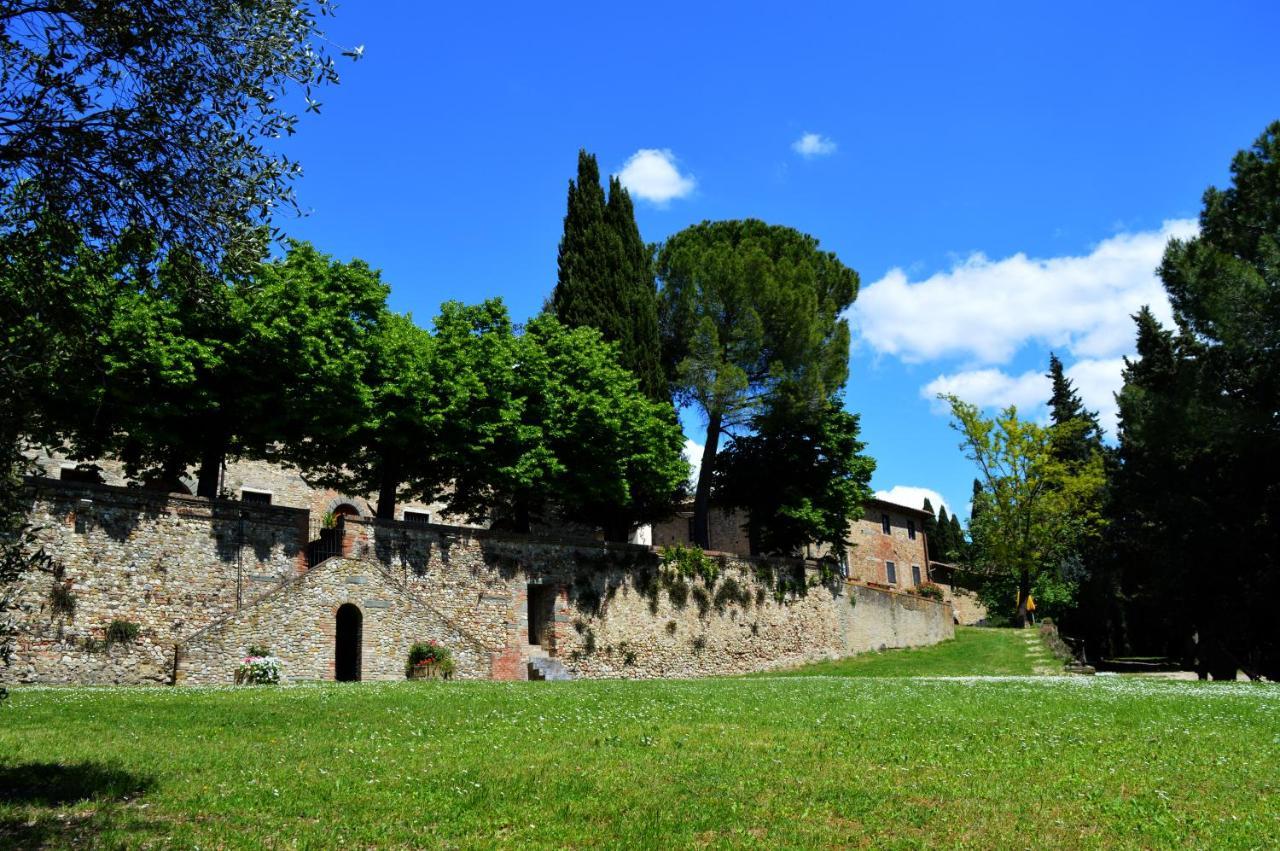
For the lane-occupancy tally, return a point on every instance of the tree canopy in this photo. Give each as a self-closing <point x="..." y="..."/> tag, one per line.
<point x="1196" y="497"/>
<point x="155" y="114"/>
<point x="605" y="275"/>
<point x="748" y="312"/>
<point x="802" y="480"/>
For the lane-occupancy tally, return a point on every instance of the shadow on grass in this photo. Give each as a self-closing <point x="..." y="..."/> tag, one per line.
<point x="33" y="796"/>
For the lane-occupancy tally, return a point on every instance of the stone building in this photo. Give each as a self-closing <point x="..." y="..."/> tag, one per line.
<point x="887" y="544"/>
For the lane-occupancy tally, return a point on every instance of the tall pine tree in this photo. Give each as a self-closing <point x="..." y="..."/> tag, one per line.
<point x="1065" y="407"/>
<point x="605" y="279"/>
<point x="930" y="527"/>
<point x="942" y="550"/>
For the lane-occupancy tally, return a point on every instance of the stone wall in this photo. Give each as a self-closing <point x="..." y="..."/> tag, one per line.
<point x="171" y="565"/>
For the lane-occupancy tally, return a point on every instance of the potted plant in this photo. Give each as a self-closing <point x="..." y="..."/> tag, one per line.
<point x="429" y="660"/>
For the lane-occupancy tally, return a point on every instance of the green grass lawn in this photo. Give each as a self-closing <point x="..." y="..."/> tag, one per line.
<point x="974" y="652"/>
<point x="763" y="762"/>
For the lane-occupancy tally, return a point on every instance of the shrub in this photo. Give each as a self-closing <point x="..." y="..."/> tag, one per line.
<point x="258" y="670"/>
<point x="121" y="632"/>
<point x="690" y="562"/>
<point x="429" y="661"/>
<point x="929" y="590"/>
<point x="61" y="600"/>
<point x="258" y="650"/>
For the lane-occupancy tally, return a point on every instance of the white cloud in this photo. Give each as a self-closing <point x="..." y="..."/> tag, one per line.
<point x="913" y="497"/>
<point x="813" y="145"/>
<point x="693" y="454"/>
<point x="990" y="388"/>
<point x="652" y="174"/>
<point x="985" y="310"/>
<point x="1096" y="380"/>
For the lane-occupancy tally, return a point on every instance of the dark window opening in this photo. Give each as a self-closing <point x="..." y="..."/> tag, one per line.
<point x="884" y="523"/>
<point x="915" y="574"/>
<point x="690" y="529"/>
<point x="81" y="475"/>
<point x="256" y="497"/>
<point x="349" y="627"/>
<point x="417" y="518"/>
<point x="891" y="573"/>
<point x="911" y="529"/>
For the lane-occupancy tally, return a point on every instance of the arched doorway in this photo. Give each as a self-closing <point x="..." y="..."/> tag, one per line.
<point x="346" y="645"/>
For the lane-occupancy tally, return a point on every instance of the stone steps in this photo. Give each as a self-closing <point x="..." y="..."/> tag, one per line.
<point x="548" y="668"/>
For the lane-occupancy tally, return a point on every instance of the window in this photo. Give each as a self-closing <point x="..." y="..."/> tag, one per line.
<point x="891" y="573"/>
<point x="911" y="529"/>
<point x="417" y="518"/>
<point x="915" y="574"/>
<point x="256" y="497"/>
<point x="884" y="523"/>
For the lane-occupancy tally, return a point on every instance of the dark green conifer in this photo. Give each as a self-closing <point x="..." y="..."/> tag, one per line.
<point x="930" y="527"/>
<point x="605" y="275"/>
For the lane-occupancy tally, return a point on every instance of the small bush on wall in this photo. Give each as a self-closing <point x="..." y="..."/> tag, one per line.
<point x="61" y="600"/>
<point x="121" y="632"/>
<point x="929" y="590"/>
<point x="429" y="661"/>
<point x="258" y="670"/>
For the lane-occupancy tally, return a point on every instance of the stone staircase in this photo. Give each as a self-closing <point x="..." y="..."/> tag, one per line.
<point x="547" y="668"/>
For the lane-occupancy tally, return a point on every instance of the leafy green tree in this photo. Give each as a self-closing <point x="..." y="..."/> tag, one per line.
<point x="552" y="425"/>
<point x="393" y="436"/>
<point x="802" y="476"/>
<point x="606" y="275"/>
<point x="1199" y="436"/>
<point x="153" y="114"/>
<point x="748" y="311"/>
<point x="1032" y="504"/>
<point x="191" y="371"/>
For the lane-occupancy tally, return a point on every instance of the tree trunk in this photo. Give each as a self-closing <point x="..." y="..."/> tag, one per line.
<point x="702" y="497"/>
<point x="1024" y="591"/>
<point x="211" y="461"/>
<point x="390" y="483"/>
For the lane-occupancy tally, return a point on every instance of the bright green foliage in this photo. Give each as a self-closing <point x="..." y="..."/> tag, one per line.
<point x="192" y="371"/>
<point x="606" y="275"/>
<point x="801" y="475"/>
<point x="391" y="437"/>
<point x="748" y="312"/>
<point x="1196" y="505"/>
<point x="1034" y="505"/>
<point x="558" y="425"/>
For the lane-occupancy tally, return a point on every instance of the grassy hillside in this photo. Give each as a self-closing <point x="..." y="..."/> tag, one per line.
<point x="774" y="762"/>
<point x="974" y="652"/>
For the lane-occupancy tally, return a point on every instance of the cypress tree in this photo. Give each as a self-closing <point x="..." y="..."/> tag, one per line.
<point x="930" y="527"/>
<point x="1066" y="406"/>
<point x="956" y="539"/>
<point x="605" y="275"/>
<point x="944" y="546"/>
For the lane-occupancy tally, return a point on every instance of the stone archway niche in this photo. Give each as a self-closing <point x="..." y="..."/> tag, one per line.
<point x="347" y="634"/>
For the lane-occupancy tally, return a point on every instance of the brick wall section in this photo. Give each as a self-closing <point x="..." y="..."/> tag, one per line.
<point x="166" y="563"/>
<point x="871" y="547"/>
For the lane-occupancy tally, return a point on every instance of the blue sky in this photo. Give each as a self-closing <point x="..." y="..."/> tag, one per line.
<point x="1002" y="176"/>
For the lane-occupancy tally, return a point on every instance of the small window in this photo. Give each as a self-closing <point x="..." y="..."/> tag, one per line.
<point x="80" y="475"/>
<point x="915" y="574"/>
<point x="891" y="573"/>
<point x="256" y="497"/>
<point x="884" y="523"/>
<point x="911" y="529"/>
<point x="417" y="518"/>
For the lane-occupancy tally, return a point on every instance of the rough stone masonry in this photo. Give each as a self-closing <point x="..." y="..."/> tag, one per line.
<point x="204" y="581"/>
